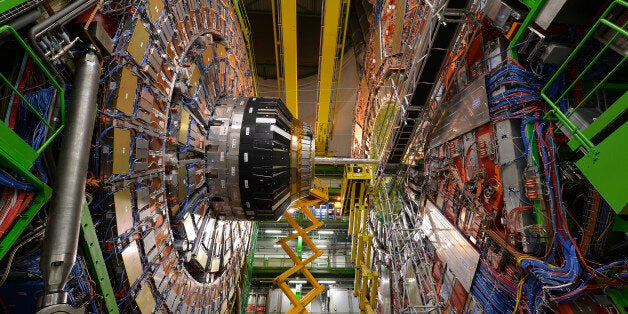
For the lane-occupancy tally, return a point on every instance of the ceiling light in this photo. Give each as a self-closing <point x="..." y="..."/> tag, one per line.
<point x="297" y="281"/>
<point x="272" y="231"/>
<point x="277" y="245"/>
<point x="322" y="246"/>
<point x="325" y="232"/>
<point x="327" y="281"/>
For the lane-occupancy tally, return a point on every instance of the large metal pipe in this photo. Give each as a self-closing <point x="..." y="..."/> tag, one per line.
<point x="59" y="19"/>
<point x="343" y="161"/>
<point x="22" y="21"/>
<point x="62" y="231"/>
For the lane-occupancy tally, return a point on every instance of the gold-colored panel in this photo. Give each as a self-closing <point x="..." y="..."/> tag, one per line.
<point x="208" y="55"/>
<point x="221" y="51"/>
<point x="232" y="61"/>
<point x="145" y="300"/>
<point x="126" y="91"/>
<point x="124" y="210"/>
<point x="184" y="125"/>
<point x="121" y="150"/>
<point x="155" y="7"/>
<point x="182" y="176"/>
<point x="195" y="77"/>
<point x="132" y="262"/>
<point x="138" y="43"/>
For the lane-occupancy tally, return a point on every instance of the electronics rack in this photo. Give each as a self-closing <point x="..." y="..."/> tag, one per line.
<point x="485" y="161"/>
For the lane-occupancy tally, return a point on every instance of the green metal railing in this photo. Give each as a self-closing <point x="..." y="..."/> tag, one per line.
<point x="555" y="111"/>
<point x="17" y="155"/>
<point x="53" y="81"/>
<point x="93" y="253"/>
<point x="603" y="163"/>
<point x="535" y="8"/>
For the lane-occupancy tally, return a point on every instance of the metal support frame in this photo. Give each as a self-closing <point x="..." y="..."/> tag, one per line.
<point x="602" y="164"/>
<point x="288" y="41"/>
<point x="535" y="8"/>
<point x="299" y="303"/>
<point x="343" y="42"/>
<point x="329" y="45"/>
<point x="364" y="275"/>
<point x="63" y="227"/>
<point x="18" y="156"/>
<point x="276" y="45"/>
<point x="404" y="241"/>
<point x="343" y="161"/>
<point x="95" y="260"/>
<point x="355" y="188"/>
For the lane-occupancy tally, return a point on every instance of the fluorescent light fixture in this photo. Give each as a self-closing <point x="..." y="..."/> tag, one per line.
<point x="327" y="281"/>
<point x="277" y="245"/>
<point x="322" y="246"/>
<point x="325" y="232"/>
<point x="272" y="231"/>
<point x="297" y="281"/>
<point x="294" y="231"/>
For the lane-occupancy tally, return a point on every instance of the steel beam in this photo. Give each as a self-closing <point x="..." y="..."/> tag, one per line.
<point x="331" y="21"/>
<point x="343" y="161"/>
<point x="289" y="52"/>
<point x="96" y="262"/>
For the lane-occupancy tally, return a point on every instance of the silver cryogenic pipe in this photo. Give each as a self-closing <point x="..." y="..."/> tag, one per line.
<point x="343" y="161"/>
<point x="62" y="231"/>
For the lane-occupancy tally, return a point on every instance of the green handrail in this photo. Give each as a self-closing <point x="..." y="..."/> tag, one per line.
<point x="50" y="77"/>
<point x="577" y="133"/>
<point x="535" y="9"/>
<point x="17" y="155"/>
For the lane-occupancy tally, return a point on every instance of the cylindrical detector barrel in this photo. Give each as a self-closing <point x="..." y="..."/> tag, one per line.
<point x="259" y="159"/>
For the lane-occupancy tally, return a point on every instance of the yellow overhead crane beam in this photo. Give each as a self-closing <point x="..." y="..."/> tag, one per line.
<point x="289" y="44"/>
<point x="276" y="45"/>
<point x="340" y="63"/>
<point x="329" y="46"/>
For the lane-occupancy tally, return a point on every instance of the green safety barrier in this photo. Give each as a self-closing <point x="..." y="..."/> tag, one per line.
<point x="17" y="155"/>
<point x="603" y="164"/>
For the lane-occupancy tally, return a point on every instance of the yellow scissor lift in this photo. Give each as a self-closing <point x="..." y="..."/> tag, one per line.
<point x="318" y="194"/>
<point x="355" y="188"/>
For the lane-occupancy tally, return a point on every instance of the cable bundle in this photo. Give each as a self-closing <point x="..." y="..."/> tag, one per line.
<point x="513" y="91"/>
<point x="564" y="274"/>
<point x="493" y="290"/>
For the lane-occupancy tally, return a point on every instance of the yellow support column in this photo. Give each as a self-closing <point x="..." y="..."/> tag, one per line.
<point x="289" y="44"/>
<point x="277" y="45"/>
<point x="331" y="21"/>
